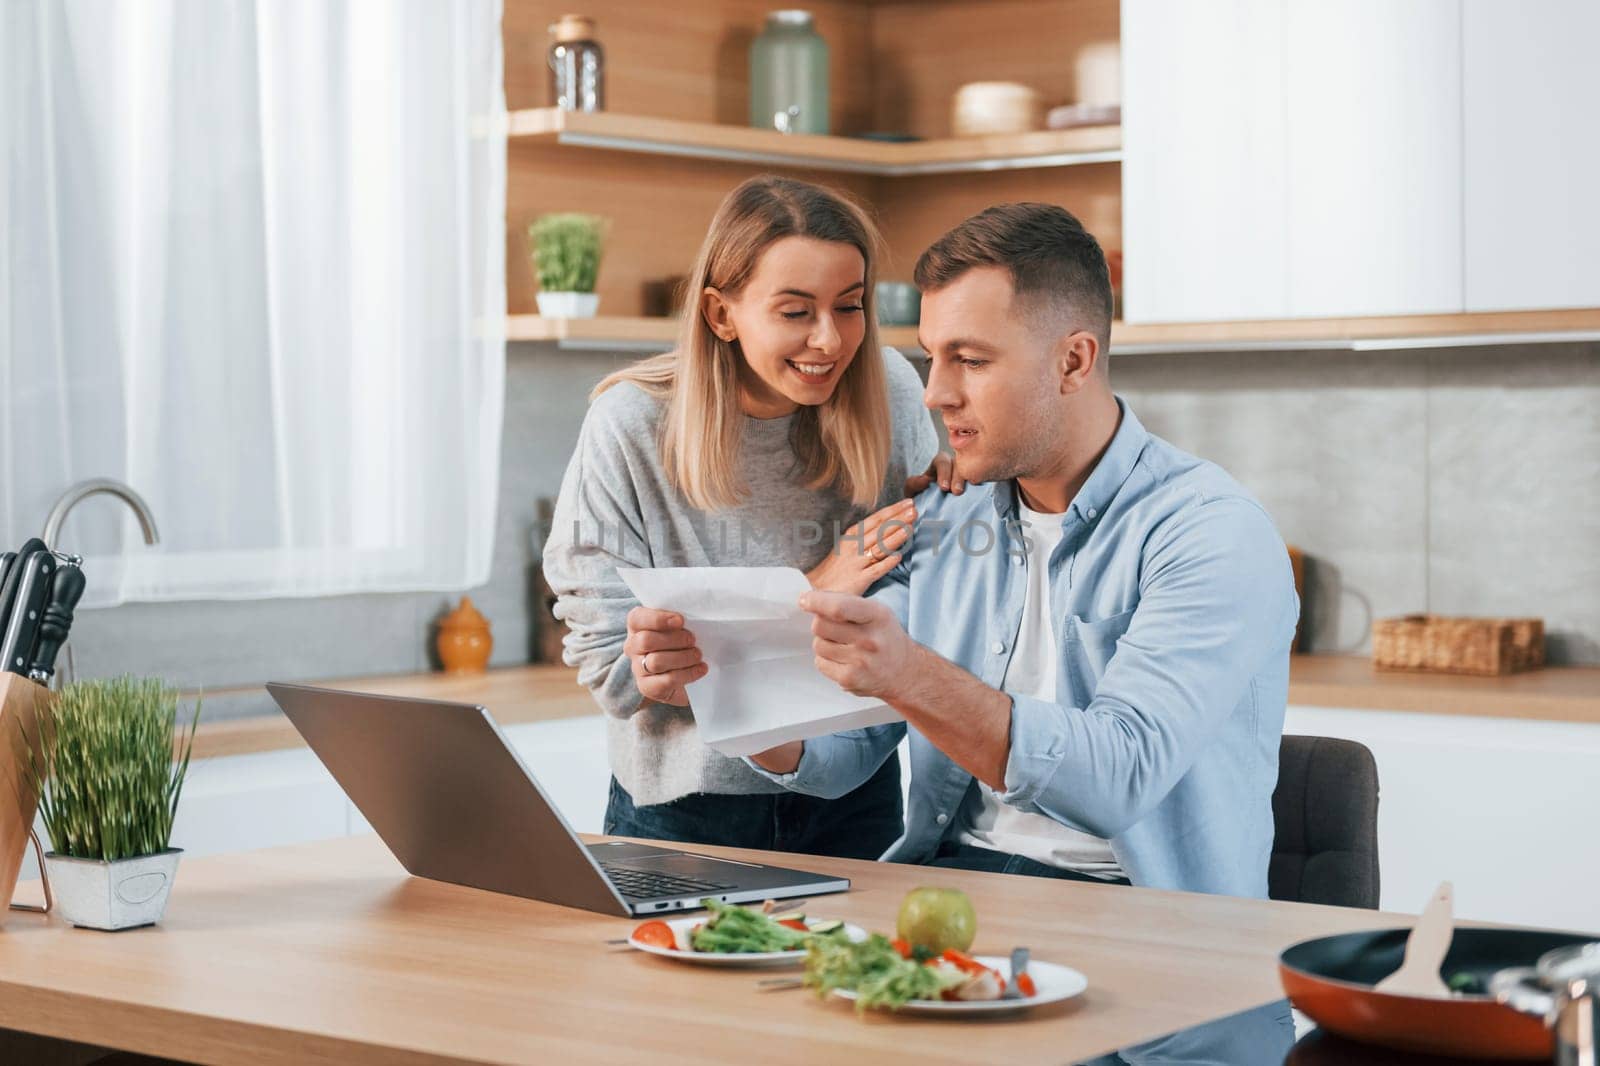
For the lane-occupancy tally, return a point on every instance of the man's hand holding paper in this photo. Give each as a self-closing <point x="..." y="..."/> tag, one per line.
<point x="760" y="686"/>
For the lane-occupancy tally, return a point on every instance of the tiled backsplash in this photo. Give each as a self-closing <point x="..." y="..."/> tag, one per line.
<point x="1450" y="480"/>
<point x="1461" y="481"/>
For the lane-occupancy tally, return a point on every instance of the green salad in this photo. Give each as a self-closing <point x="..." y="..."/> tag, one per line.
<point x="876" y="971"/>
<point x="738" y="930"/>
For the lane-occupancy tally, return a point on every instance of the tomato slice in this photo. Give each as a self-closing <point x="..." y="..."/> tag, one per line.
<point x="972" y="967"/>
<point x="794" y="923"/>
<point x="963" y="962"/>
<point x="1026" y="986"/>
<point x="656" y="935"/>
<point x="902" y="946"/>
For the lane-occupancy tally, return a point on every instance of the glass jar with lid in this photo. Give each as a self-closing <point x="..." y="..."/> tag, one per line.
<point x="577" y="65"/>
<point x="789" y="75"/>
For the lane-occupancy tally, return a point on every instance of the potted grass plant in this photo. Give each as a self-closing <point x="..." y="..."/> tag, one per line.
<point x="109" y="774"/>
<point x="566" y="255"/>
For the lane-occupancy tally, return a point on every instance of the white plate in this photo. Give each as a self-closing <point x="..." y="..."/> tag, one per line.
<point x="736" y="958"/>
<point x="1051" y="982"/>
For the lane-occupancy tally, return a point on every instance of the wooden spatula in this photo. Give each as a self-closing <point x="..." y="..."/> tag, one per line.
<point x="1430" y="938"/>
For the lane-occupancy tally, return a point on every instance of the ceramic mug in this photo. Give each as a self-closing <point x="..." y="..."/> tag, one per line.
<point x="899" y="303"/>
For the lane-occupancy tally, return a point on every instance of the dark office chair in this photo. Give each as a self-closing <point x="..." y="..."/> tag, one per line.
<point x="1325" y="809"/>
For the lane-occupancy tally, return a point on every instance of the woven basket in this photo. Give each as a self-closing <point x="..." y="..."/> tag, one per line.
<point x="1485" y="646"/>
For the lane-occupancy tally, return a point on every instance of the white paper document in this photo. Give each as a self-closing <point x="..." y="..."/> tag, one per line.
<point x="763" y="687"/>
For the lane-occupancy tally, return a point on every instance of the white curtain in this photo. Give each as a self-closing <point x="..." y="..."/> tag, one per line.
<point x="254" y="266"/>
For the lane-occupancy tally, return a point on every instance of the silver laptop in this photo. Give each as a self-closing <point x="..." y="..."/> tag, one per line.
<point x="452" y="800"/>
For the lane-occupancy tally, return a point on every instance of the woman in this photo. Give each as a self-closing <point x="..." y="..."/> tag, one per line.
<point x="777" y="422"/>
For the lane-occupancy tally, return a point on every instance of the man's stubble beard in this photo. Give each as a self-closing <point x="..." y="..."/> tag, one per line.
<point x="1025" y="455"/>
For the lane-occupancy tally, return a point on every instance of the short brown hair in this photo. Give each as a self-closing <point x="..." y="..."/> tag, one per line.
<point x="1051" y="258"/>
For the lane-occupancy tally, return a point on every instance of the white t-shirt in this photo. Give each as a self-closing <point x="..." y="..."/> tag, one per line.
<point x="984" y="821"/>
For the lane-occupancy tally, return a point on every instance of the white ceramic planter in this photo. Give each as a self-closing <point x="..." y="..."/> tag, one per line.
<point x="124" y="894"/>
<point x="568" y="304"/>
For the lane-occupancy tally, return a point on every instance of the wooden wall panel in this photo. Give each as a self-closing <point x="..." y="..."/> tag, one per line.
<point x="895" y="65"/>
<point x="659" y="207"/>
<point x="687" y="60"/>
<point x="924" y="51"/>
<point x="916" y="211"/>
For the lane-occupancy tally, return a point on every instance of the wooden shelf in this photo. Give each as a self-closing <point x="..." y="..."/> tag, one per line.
<point x="738" y="144"/>
<point x="1339" y="334"/>
<point x="636" y="334"/>
<point x="621" y="332"/>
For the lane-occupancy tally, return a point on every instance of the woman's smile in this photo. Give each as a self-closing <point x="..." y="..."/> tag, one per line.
<point x="812" y="372"/>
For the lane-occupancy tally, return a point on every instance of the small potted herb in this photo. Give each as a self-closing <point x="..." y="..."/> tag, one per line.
<point x="108" y="786"/>
<point x="566" y="255"/>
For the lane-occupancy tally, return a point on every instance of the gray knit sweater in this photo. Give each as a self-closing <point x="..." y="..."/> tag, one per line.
<point x="617" y="507"/>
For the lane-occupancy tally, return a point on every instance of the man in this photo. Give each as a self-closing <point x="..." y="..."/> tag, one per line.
<point x="1091" y="648"/>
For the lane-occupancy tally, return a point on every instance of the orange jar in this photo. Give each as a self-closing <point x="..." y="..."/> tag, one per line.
<point x="464" y="640"/>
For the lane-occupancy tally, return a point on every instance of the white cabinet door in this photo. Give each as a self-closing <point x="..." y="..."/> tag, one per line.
<point x="1291" y="158"/>
<point x="1372" y="91"/>
<point x="1486" y="803"/>
<point x="1203" y="189"/>
<point x="568" y="759"/>
<point x="244" y="802"/>
<point x="1532" y="147"/>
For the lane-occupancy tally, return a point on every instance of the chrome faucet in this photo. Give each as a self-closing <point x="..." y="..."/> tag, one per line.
<point x="93" y="487"/>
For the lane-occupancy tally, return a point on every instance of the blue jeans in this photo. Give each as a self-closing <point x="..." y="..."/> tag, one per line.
<point x="968" y="857"/>
<point x="859" y="825"/>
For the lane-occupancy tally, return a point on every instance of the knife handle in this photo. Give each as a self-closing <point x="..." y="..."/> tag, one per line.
<point x="13" y="578"/>
<point x="16" y="650"/>
<point x="56" y="621"/>
<point x="29" y="546"/>
<point x="12" y="582"/>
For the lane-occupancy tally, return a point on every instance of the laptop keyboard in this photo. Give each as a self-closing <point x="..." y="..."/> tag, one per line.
<point x="648" y="884"/>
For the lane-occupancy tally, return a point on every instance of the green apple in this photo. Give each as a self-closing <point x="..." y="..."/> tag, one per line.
<point x="937" y="919"/>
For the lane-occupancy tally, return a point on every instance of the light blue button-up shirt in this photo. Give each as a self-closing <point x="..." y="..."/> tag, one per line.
<point x="1174" y="610"/>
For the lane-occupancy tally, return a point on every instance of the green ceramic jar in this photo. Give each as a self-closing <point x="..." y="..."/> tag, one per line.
<point x="789" y="75"/>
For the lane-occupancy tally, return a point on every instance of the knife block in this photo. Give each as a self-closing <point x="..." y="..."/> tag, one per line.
<point x="20" y="700"/>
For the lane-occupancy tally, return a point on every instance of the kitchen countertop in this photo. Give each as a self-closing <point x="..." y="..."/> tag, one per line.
<point x="535" y="693"/>
<point x="328" y="952"/>
<point x="1553" y="694"/>
<point x="513" y="694"/>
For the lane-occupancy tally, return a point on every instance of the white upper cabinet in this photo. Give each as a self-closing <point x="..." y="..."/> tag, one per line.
<point x="1372" y="90"/>
<point x="1203" y="191"/>
<point x="1532" y="149"/>
<point x="1291" y="158"/>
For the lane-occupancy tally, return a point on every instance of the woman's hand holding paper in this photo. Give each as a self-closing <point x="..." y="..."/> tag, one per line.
<point x="664" y="656"/>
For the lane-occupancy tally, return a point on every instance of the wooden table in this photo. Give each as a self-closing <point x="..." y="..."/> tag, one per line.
<point x="329" y="953"/>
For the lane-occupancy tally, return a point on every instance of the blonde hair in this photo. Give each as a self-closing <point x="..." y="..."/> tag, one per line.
<point x="842" y="443"/>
